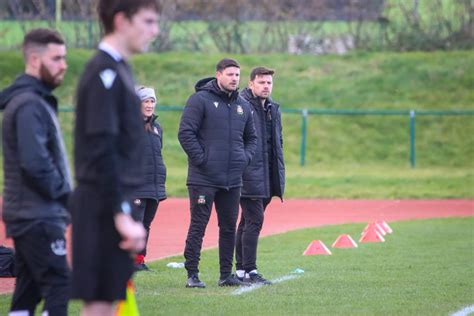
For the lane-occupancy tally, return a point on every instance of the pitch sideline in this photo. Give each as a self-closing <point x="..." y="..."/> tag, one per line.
<point x="254" y="287"/>
<point x="468" y="310"/>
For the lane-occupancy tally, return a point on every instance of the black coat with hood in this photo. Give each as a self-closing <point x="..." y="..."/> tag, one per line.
<point x="218" y="135"/>
<point x="253" y="186"/>
<point x="155" y="169"/>
<point x="37" y="179"/>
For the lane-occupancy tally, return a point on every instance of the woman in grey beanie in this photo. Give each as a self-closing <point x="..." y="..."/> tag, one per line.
<point x="148" y="196"/>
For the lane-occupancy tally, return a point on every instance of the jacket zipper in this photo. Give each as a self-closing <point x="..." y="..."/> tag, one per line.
<point x="230" y="142"/>
<point x="263" y="126"/>
<point x="150" y="139"/>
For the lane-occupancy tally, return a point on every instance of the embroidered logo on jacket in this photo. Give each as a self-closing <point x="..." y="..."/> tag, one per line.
<point x="240" y="110"/>
<point x="108" y="77"/>
<point x="155" y="130"/>
<point x="137" y="202"/>
<point x="216" y="104"/>
<point x="201" y="199"/>
<point x="59" y="247"/>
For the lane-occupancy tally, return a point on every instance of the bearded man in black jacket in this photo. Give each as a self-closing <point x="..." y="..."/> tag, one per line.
<point x="264" y="177"/>
<point x="218" y="135"/>
<point x="37" y="177"/>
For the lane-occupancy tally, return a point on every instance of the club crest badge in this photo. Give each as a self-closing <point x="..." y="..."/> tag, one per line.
<point x="216" y="104"/>
<point x="240" y="110"/>
<point x="155" y="130"/>
<point x="108" y="77"/>
<point x="201" y="199"/>
<point x="137" y="202"/>
<point x="59" y="247"/>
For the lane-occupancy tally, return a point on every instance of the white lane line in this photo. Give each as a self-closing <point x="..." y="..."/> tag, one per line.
<point x="245" y="289"/>
<point x="464" y="312"/>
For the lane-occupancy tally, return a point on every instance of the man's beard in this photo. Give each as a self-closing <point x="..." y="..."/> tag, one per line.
<point x="229" y="89"/>
<point x="48" y="78"/>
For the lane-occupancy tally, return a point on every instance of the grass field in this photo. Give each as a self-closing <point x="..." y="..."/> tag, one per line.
<point x="423" y="268"/>
<point x="346" y="156"/>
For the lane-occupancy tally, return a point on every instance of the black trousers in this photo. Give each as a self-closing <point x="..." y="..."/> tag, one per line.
<point x="248" y="232"/>
<point x="145" y="212"/>
<point x="42" y="270"/>
<point x="227" y="207"/>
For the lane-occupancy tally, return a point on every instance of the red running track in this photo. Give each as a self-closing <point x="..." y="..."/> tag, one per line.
<point x="168" y="232"/>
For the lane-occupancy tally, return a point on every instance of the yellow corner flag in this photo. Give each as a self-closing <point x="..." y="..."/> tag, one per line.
<point x="128" y="307"/>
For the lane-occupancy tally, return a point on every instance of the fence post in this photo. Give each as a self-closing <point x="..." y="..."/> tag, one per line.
<point x="89" y="30"/>
<point x="58" y="14"/>
<point x="412" y="139"/>
<point x="304" y="122"/>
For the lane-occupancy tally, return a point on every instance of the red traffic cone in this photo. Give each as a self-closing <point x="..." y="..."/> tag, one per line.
<point x="371" y="235"/>
<point x="375" y="226"/>
<point x="344" y="241"/>
<point x="317" y="247"/>
<point x="385" y="226"/>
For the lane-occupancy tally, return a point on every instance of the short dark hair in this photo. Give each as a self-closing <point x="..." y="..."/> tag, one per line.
<point x="261" y="71"/>
<point x="226" y="63"/>
<point x="40" y="38"/>
<point x="107" y="9"/>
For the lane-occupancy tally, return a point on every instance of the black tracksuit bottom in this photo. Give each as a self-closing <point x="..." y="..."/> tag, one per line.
<point x="227" y="207"/>
<point x="248" y="232"/>
<point x="42" y="270"/>
<point x="145" y="213"/>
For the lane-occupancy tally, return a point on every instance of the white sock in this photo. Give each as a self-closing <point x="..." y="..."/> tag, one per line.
<point x="240" y="273"/>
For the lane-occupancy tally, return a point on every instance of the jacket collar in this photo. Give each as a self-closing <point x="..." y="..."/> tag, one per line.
<point x="255" y="101"/>
<point x="27" y="83"/>
<point x="210" y="85"/>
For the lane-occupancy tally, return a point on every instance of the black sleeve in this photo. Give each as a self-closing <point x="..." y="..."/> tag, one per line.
<point x="280" y="127"/>
<point x="105" y="150"/>
<point x="188" y="130"/>
<point x="35" y="158"/>
<point x="102" y="97"/>
<point x="101" y="116"/>
<point x="250" y="137"/>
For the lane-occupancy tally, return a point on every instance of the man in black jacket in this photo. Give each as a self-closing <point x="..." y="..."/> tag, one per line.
<point x="109" y="139"/>
<point x="218" y="135"/>
<point x="37" y="177"/>
<point x="264" y="177"/>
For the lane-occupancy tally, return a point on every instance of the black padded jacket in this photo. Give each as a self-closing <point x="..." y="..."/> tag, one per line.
<point x="218" y="135"/>
<point x="256" y="178"/>
<point x="37" y="179"/>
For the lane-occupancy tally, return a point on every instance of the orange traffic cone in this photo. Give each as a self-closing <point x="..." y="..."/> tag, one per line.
<point x="385" y="226"/>
<point x="375" y="226"/>
<point x="317" y="247"/>
<point x="344" y="241"/>
<point x="372" y="235"/>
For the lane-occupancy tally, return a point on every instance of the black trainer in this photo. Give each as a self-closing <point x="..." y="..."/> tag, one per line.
<point x="255" y="278"/>
<point x="193" y="281"/>
<point x="142" y="267"/>
<point x="232" y="280"/>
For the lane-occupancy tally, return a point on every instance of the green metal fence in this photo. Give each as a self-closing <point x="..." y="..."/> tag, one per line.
<point x="411" y="114"/>
<point x="305" y="113"/>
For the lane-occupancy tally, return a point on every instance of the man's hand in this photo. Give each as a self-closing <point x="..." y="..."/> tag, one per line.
<point x="132" y="232"/>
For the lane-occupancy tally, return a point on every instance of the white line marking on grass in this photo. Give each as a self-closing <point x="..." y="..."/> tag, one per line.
<point x="245" y="289"/>
<point x="465" y="311"/>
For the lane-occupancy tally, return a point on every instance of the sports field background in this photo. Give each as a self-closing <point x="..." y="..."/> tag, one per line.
<point x="347" y="156"/>
<point x="424" y="268"/>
